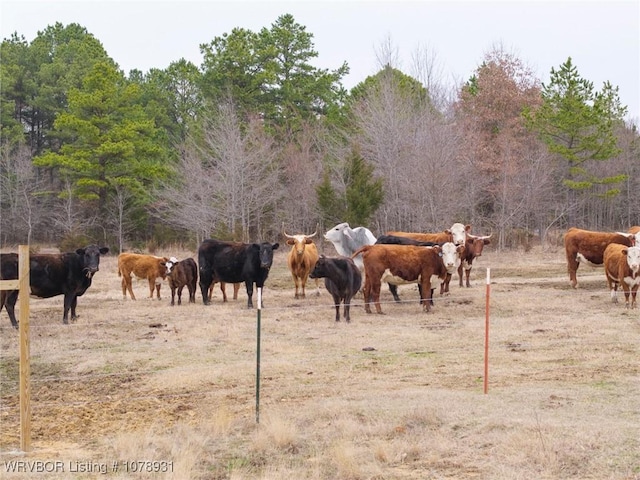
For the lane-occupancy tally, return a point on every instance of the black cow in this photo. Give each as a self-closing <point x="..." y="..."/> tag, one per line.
<point x="395" y="240"/>
<point x="234" y="262"/>
<point x="67" y="274"/>
<point x="341" y="278"/>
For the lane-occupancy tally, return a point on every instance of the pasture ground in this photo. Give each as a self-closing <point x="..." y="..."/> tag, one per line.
<point x="394" y="396"/>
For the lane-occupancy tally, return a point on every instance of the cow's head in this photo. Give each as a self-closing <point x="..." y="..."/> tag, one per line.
<point x="298" y="242"/>
<point x="265" y="253"/>
<point x="91" y="258"/>
<point x="336" y="234"/>
<point x="451" y="254"/>
<point x="459" y="233"/>
<point x="169" y="264"/>
<point x="320" y="269"/>
<point x="475" y="244"/>
<point x="633" y="259"/>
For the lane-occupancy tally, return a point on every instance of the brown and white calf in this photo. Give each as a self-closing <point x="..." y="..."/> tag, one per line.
<point x="586" y="246"/>
<point x="400" y="264"/>
<point x="622" y="267"/>
<point x="472" y="249"/>
<point x="180" y="274"/>
<point x="301" y="260"/>
<point x="148" y="267"/>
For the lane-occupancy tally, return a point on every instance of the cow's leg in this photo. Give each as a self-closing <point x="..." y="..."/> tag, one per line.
<point x="426" y="290"/>
<point x="444" y="286"/>
<point x="634" y="292"/>
<point x="173" y="295"/>
<point x="236" y="289"/>
<point x="223" y="289"/>
<point x="394" y="291"/>
<point x="460" y="273"/>
<point x="74" y="303"/>
<point x="317" y="287"/>
<point x="8" y="300"/>
<point x="614" y="292"/>
<point x="347" y="307"/>
<point x="67" y="307"/>
<point x="295" y="282"/>
<point x="375" y="292"/>
<point x="572" y="268"/>
<point x="180" y="295"/>
<point x="249" y="286"/>
<point x="127" y="284"/>
<point x="158" y="285"/>
<point x="206" y="280"/>
<point x="336" y="303"/>
<point x="468" y="274"/>
<point x="366" y="292"/>
<point x="303" y="284"/>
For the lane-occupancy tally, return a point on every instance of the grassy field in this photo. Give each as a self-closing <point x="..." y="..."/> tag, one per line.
<point x="394" y="396"/>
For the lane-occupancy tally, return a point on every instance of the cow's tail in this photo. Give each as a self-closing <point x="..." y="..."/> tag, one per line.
<point x="119" y="272"/>
<point x="360" y="250"/>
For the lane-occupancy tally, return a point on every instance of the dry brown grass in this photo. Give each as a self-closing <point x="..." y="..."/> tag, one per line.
<point x="397" y="396"/>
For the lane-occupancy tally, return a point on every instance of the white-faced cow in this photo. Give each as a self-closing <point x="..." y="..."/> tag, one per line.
<point x="406" y="264"/>
<point x="347" y="240"/>
<point x="67" y="274"/>
<point x="586" y="246"/>
<point x="180" y="274"/>
<point x="472" y="249"/>
<point x="342" y="278"/>
<point x="301" y="260"/>
<point x="233" y="262"/>
<point x="622" y="267"/>
<point x="457" y="234"/>
<point x="149" y="267"/>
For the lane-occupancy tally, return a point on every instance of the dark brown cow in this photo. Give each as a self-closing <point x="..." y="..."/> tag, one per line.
<point x="406" y="264"/>
<point x="180" y="274"/>
<point x="67" y="274"/>
<point x="342" y="278"/>
<point x="586" y="246"/>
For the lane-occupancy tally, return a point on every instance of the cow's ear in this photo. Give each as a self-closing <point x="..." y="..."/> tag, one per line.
<point x="308" y="241"/>
<point x="275" y="246"/>
<point x="80" y="251"/>
<point x="625" y="251"/>
<point x="467" y="228"/>
<point x="291" y="241"/>
<point x="447" y="231"/>
<point x="104" y="250"/>
<point x="487" y="241"/>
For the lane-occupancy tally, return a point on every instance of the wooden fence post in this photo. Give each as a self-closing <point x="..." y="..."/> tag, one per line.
<point x="25" y="361"/>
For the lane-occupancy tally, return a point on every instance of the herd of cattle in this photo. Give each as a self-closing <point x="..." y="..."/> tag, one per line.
<point x="394" y="258"/>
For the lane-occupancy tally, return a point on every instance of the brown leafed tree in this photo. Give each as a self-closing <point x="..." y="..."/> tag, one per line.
<point x="510" y="168"/>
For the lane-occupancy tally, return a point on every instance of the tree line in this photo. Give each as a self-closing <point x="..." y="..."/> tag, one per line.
<point x="257" y="137"/>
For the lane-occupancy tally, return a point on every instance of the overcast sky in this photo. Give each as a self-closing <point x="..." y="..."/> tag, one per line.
<point x="603" y="38"/>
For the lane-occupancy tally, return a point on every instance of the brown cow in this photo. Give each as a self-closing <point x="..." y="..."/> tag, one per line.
<point x="301" y="260"/>
<point x="142" y="266"/>
<point x="180" y="274"/>
<point x="472" y="249"/>
<point x="622" y="267"/>
<point x="406" y="264"/>
<point x="588" y="247"/>
<point x="456" y="234"/>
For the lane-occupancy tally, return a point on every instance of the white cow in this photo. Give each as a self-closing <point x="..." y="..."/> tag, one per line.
<point x="347" y="240"/>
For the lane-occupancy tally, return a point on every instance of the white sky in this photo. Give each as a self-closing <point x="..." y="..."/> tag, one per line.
<point x="602" y="38"/>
